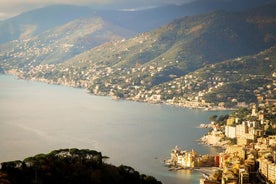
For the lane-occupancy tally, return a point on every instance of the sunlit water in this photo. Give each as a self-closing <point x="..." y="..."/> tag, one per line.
<point x="37" y="118"/>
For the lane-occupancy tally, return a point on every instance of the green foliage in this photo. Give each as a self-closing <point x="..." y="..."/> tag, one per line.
<point x="191" y="56"/>
<point x="242" y="113"/>
<point x="270" y="131"/>
<point x="213" y="118"/>
<point x="220" y="120"/>
<point x="232" y="141"/>
<point x="69" y="166"/>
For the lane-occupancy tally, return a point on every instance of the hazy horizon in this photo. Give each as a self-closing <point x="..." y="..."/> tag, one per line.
<point x="9" y="9"/>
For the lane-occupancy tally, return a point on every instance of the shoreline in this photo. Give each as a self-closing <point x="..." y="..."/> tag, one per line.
<point x="203" y="170"/>
<point x="44" y="84"/>
<point x="19" y="76"/>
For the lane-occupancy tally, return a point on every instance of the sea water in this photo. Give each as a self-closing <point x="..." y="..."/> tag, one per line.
<point x="37" y="118"/>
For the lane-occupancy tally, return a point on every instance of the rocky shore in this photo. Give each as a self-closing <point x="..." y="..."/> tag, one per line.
<point x="214" y="139"/>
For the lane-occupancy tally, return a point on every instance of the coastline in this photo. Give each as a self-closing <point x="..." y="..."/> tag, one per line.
<point x="213" y="141"/>
<point x="191" y="160"/>
<point x="144" y="162"/>
<point x="84" y="85"/>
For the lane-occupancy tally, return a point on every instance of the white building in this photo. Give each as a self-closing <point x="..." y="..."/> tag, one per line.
<point x="230" y="132"/>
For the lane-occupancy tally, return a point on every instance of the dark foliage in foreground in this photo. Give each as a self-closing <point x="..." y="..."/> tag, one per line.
<point x="70" y="166"/>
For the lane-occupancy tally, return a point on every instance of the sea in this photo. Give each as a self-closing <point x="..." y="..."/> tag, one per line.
<point x="37" y="118"/>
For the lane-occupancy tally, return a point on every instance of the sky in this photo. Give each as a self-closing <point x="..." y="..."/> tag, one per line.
<point x="10" y="8"/>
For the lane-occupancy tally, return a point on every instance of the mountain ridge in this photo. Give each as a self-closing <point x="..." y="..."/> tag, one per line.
<point x="144" y="67"/>
<point x="39" y="20"/>
<point x="61" y="43"/>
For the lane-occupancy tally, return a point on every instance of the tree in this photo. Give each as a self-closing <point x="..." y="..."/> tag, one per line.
<point x="213" y="118"/>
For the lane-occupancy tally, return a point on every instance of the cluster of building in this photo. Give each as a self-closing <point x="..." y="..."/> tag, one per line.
<point x="138" y="82"/>
<point x="249" y="156"/>
<point x="267" y="158"/>
<point x="183" y="159"/>
<point x="247" y="131"/>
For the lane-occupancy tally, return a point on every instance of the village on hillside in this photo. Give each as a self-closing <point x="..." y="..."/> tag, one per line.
<point x="248" y="139"/>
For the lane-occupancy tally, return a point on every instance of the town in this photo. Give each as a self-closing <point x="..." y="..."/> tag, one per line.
<point x="186" y="91"/>
<point x="215" y="86"/>
<point x="248" y="139"/>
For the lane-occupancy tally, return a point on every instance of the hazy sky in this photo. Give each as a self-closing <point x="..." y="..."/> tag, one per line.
<point x="9" y="8"/>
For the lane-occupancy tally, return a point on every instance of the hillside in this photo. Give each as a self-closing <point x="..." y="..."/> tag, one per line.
<point x="158" y="66"/>
<point x="56" y="33"/>
<point x="250" y="79"/>
<point x="59" y="44"/>
<point x="35" y="22"/>
<point x="70" y="166"/>
<point x="136" y="68"/>
<point x="231" y="83"/>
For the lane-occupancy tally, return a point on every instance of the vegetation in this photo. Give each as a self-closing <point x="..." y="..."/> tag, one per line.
<point x="70" y="166"/>
<point x="222" y="58"/>
<point x="245" y="114"/>
<point x="220" y="120"/>
<point x="242" y="113"/>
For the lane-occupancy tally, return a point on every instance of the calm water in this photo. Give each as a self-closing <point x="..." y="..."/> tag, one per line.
<point x="37" y="118"/>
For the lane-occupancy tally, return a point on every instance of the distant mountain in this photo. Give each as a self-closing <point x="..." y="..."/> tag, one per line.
<point x="61" y="43"/>
<point x="159" y="64"/>
<point x="56" y="33"/>
<point x="34" y="22"/>
<point x="151" y="63"/>
<point x="37" y="21"/>
<point x="190" y="43"/>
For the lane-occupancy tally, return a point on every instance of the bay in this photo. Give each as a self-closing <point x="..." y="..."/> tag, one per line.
<point x="37" y="118"/>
